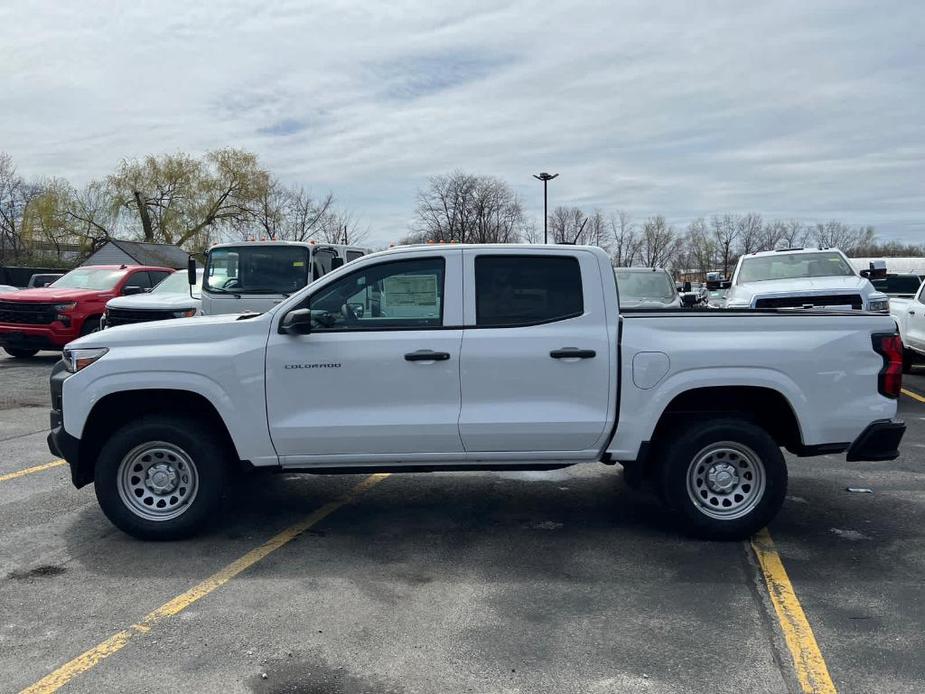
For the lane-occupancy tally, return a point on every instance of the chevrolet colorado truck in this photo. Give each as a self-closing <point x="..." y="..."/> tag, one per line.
<point x="425" y="358"/>
<point x="803" y="278"/>
<point x="50" y="317"/>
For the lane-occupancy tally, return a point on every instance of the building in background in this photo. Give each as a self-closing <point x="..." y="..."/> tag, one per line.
<point x="138" y="253"/>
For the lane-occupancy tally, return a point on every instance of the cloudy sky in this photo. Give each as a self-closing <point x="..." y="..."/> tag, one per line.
<point x="793" y="109"/>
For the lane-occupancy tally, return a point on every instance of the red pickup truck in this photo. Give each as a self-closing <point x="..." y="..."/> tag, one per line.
<point x="50" y="317"/>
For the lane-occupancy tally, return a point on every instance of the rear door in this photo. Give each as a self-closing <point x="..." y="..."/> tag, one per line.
<point x="536" y="367"/>
<point x="377" y="378"/>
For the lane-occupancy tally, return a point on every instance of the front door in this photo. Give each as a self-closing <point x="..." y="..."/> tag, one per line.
<point x="377" y="378"/>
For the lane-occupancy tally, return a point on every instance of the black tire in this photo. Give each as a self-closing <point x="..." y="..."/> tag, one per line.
<point x="20" y="353"/>
<point x="741" y="471"/>
<point x="909" y="358"/>
<point x="91" y="325"/>
<point x="188" y="451"/>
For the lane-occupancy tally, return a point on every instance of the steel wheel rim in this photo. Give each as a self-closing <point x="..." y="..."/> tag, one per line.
<point x="157" y="481"/>
<point x="726" y="480"/>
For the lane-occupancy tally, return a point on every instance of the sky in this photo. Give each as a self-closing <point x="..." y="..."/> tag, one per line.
<point x="813" y="110"/>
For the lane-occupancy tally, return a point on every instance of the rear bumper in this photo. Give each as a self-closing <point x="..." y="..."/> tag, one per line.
<point x="879" y="441"/>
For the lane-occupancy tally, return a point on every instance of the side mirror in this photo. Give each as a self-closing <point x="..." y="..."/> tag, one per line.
<point x="297" y="322"/>
<point x="689" y="299"/>
<point x="877" y="270"/>
<point x="132" y="289"/>
<point x="336" y="263"/>
<point x="191" y="270"/>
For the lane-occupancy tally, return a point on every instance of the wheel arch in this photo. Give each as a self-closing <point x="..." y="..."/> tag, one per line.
<point x="766" y="407"/>
<point x="116" y="409"/>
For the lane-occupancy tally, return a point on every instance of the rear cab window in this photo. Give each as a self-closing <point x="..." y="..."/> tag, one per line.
<point x="521" y="290"/>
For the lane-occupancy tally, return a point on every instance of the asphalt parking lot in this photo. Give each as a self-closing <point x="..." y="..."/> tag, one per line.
<point x="563" y="581"/>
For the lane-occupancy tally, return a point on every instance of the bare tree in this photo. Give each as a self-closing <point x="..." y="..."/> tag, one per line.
<point x="749" y="233"/>
<point x="659" y="242"/>
<point x="466" y="208"/>
<point x="794" y="234"/>
<point x="15" y="196"/>
<point x="725" y="231"/>
<point x="835" y="234"/>
<point x="626" y="241"/>
<point x="772" y="234"/>
<point x="702" y="247"/>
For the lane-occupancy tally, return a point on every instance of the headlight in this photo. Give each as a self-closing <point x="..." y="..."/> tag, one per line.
<point x="188" y="313"/>
<point x="77" y="359"/>
<point x="64" y="307"/>
<point x="879" y="305"/>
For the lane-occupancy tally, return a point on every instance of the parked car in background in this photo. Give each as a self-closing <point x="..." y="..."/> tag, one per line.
<point x="898" y="285"/>
<point x="803" y="278"/>
<point x="72" y="306"/>
<point x="43" y="279"/>
<point x="474" y="357"/>
<point x="716" y="298"/>
<point x="909" y="314"/>
<point x="4" y="288"/>
<point x="174" y="297"/>
<point x="646" y="288"/>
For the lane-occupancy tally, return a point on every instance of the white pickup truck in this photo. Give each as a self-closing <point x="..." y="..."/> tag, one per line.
<point x="803" y="278"/>
<point x="468" y="358"/>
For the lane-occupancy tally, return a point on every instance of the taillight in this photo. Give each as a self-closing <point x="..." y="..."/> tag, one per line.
<point x="890" y="379"/>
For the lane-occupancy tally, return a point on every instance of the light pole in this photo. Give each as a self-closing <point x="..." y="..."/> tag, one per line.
<point x="545" y="178"/>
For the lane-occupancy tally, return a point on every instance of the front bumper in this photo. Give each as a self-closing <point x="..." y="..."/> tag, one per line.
<point x="879" y="441"/>
<point x="35" y="337"/>
<point x="61" y="443"/>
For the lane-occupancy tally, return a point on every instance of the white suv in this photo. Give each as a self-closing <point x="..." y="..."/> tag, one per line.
<point x="802" y="278"/>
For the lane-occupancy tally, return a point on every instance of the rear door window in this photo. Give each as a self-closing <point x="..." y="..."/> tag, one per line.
<point x="514" y="291"/>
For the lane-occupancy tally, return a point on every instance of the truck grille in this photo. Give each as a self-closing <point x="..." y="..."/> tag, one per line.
<point x="125" y="316"/>
<point x="25" y="313"/>
<point x="854" y="300"/>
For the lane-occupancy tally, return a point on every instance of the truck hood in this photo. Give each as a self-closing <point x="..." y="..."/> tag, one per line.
<point x="801" y="285"/>
<point x="162" y="301"/>
<point x="53" y="295"/>
<point x="198" y="329"/>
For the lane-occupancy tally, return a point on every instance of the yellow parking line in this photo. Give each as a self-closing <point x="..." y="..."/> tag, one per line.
<point x="914" y="396"/>
<point x="807" y="658"/>
<point x="115" y="643"/>
<point x="30" y="470"/>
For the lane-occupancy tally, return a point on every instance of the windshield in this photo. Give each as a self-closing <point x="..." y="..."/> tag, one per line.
<point x="792" y="266"/>
<point x="89" y="278"/>
<point x="637" y="286"/>
<point x="177" y="283"/>
<point x="256" y="270"/>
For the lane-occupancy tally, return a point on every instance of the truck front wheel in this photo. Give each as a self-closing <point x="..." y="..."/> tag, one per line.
<point x="161" y="478"/>
<point x="725" y="477"/>
<point x="20" y="353"/>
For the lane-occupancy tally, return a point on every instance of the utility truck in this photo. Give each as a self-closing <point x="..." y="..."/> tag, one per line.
<point x="257" y="275"/>
<point x="471" y="358"/>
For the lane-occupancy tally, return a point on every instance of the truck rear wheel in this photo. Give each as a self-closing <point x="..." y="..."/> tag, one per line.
<point x="726" y="478"/>
<point x="161" y="478"/>
<point x="20" y="353"/>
